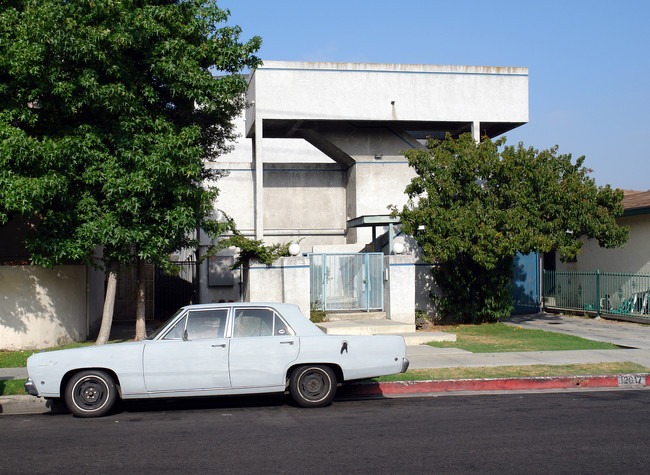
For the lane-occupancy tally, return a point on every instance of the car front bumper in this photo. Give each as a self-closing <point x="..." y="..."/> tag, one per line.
<point x="30" y="387"/>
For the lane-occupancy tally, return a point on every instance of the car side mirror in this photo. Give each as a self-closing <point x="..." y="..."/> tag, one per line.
<point x="185" y="338"/>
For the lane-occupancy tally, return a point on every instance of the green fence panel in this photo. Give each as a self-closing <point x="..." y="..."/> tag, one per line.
<point x="600" y="292"/>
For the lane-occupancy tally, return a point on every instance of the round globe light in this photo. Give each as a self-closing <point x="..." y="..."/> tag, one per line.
<point x="294" y="249"/>
<point x="398" y="248"/>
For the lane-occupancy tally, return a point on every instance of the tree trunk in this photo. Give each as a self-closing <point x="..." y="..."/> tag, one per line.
<point x="140" y="329"/>
<point x="109" y="305"/>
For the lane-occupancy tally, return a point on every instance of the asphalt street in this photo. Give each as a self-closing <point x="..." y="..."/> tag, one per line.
<point x="569" y="432"/>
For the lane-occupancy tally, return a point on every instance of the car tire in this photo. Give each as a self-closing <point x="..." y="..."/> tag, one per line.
<point x="90" y="393"/>
<point x="313" y="385"/>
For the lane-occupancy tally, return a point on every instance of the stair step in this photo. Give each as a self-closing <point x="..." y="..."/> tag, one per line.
<point x="384" y="327"/>
<point x="337" y="316"/>
<point x="365" y="327"/>
<point x="420" y="338"/>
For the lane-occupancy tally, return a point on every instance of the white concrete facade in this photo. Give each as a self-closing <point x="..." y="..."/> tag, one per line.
<point x="322" y="143"/>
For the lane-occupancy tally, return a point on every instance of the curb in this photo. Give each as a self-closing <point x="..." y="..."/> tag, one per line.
<point x="15" y="405"/>
<point x="396" y="388"/>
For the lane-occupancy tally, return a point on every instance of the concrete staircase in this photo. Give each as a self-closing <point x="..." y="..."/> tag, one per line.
<point x="376" y="323"/>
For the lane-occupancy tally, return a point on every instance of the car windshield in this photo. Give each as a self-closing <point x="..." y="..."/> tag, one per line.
<point x="164" y="325"/>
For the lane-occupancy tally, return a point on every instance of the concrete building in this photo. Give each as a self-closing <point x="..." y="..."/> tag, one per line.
<point x="320" y="158"/>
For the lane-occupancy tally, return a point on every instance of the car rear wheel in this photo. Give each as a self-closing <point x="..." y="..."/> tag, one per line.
<point x="90" y="393"/>
<point x="313" y="385"/>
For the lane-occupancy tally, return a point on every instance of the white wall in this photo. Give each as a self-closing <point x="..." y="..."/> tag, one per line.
<point x="286" y="280"/>
<point x="42" y="308"/>
<point x="633" y="257"/>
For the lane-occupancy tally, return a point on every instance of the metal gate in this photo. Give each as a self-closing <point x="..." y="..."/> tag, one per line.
<point x="525" y="283"/>
<point x="347" y="281"/>
<point x="172" y="291"/>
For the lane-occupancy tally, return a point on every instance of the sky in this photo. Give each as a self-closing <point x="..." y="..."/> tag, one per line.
<point x="588" y="61"/>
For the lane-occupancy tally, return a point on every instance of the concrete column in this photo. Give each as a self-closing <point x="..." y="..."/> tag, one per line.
<point x="399" y="291"/>
<point x="476" y="130"/>
<point x="295" y="282"/>
<point x="258" y="163"/>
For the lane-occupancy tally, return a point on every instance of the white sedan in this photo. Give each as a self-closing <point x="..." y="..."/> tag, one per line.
<point x="216" y="349"/>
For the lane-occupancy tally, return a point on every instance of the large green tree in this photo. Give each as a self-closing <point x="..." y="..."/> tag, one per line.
<point x="473" y="206"/>
<point x="109" y="116"/>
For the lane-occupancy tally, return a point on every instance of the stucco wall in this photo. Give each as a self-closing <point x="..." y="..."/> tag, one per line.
<point x="633" y="257"/>
<point x="304" y="199"/>
<point x="41" y="308"/>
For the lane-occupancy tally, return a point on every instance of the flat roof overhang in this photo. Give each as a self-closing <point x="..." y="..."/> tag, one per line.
<point x="296" y="128"/>
<point x="373" y="221"/>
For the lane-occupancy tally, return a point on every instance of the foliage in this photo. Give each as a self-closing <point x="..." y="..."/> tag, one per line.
<point x="100" y="140"/>
<point x="424" y="321"/>
<point x="250" y="248"/>
<point x="472" y="207"/>
<point x="317" y="314"/>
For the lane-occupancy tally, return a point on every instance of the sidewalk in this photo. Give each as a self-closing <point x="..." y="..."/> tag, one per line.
<point x="634" y="338"/>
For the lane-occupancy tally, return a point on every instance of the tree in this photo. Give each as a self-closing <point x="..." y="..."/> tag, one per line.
<point x="110" y="115"/>
<point x="472" y="207"/>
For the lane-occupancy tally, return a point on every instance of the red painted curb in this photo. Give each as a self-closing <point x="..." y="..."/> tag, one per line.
<point x="496" y="384"/>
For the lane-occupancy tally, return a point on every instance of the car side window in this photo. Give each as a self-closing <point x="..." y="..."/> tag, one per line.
<point x="251" y="322"/>
<point x="203" y="324"/>
<point x="281" y="328"/>
<point x="176" y="333"/>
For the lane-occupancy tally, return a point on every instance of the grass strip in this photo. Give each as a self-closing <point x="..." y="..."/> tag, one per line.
<point x="18" y="359"/>
<point x="12" y="387"/>
<point x="497" y="337"/>
<point x="516" y="371"/>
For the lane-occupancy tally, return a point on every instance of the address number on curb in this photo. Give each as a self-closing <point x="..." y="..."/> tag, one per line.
<point x="631" y="380"/>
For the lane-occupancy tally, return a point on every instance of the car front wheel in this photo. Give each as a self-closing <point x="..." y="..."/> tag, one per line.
<point x="313" y="385"/>
<point x="90" y="393"/>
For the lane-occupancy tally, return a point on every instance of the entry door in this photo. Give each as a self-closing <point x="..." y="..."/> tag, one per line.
<point x="192" y="356"/>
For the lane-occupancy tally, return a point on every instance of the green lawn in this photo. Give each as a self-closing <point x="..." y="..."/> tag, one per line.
<point x="18" y="359"/>
<point x="497" y="337"/>
<point x="11" y="387"/>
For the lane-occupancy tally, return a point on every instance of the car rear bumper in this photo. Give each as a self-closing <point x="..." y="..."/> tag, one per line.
<point x="405" y="365"/>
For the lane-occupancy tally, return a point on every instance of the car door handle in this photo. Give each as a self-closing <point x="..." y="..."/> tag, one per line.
<point x="287" y="342"/>
<point x="222" y="345"/>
